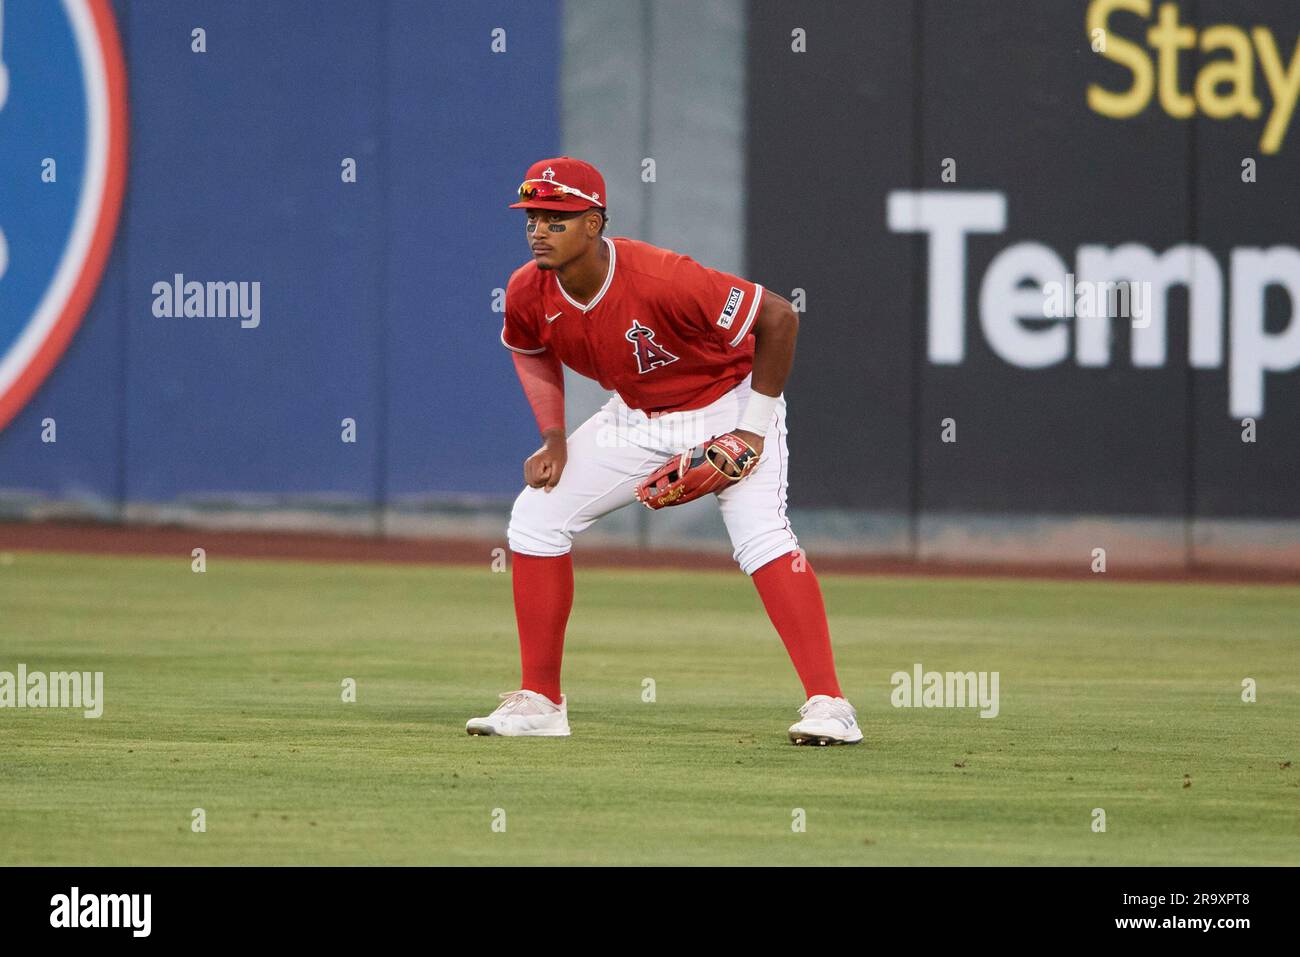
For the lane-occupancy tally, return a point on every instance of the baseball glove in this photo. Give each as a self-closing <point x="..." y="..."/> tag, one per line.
<point x="697" y="472"/>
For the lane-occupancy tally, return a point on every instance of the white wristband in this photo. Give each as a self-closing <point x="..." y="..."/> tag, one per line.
<point x="758" y="414"/>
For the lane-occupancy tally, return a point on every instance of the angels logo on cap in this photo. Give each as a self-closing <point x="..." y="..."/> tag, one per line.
<point x="561" y="183"/>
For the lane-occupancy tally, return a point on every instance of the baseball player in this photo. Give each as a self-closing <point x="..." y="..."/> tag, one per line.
<point x="697" y="360"/>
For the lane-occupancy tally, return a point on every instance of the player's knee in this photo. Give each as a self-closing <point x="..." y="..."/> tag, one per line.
<point x="534" y="529"/>
<point x="762" y="547"/>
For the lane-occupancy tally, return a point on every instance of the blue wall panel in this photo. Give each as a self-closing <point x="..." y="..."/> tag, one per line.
<point x="236" y="176"/>
<point x="376" y="297"/>
<point x="465" y="124"/>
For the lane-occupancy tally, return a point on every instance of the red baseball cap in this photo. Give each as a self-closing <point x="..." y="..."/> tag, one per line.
<point x="561" y="183"/>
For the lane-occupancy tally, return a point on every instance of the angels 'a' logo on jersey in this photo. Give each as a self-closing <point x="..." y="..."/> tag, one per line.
<point x="650" y="355"/>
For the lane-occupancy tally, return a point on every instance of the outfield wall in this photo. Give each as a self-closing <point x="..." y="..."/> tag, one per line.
<point x="938" y="165"/>
<point x="912" y="173"/>
<point x="379" y="298"/>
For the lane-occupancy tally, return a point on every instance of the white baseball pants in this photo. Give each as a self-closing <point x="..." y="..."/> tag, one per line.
<point x="617" y="447"/>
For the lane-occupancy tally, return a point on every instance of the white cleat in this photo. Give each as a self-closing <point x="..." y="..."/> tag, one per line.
<point x="826" y="720"/>
<point x="524" y="713"/>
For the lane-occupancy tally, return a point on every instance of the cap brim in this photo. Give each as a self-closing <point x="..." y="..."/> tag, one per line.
<point x="559" y="205"/>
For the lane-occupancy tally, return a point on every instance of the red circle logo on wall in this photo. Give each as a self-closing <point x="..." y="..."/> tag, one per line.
<point x="63" y="130"/>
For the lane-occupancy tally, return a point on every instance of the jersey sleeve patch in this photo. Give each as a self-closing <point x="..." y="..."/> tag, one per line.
<point x="732" y="308"/>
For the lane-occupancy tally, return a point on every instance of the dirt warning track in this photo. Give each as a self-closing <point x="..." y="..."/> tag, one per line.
<point x="171" y="541"/>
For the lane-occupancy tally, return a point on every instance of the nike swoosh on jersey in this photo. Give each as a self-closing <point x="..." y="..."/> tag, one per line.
<point x="554" y="317"/>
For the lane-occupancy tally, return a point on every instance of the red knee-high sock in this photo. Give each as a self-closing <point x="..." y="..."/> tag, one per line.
<point x="543" y="597"/>
<point x="793" y="600"/>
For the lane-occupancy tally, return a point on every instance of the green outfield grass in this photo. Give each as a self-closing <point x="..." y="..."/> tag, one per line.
<point x="223" y="692"/>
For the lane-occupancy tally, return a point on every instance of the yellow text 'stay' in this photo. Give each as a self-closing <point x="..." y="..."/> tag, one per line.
<point x="1224" y="86"/>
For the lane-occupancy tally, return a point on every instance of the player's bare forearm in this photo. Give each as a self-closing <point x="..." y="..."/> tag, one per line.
<point x="776" y="327"/>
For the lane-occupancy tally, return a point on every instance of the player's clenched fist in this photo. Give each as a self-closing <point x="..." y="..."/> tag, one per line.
<point x="543" y="468"/>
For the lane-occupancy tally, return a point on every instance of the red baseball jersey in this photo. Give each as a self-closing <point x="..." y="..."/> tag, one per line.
<point x="664" y="332"/>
